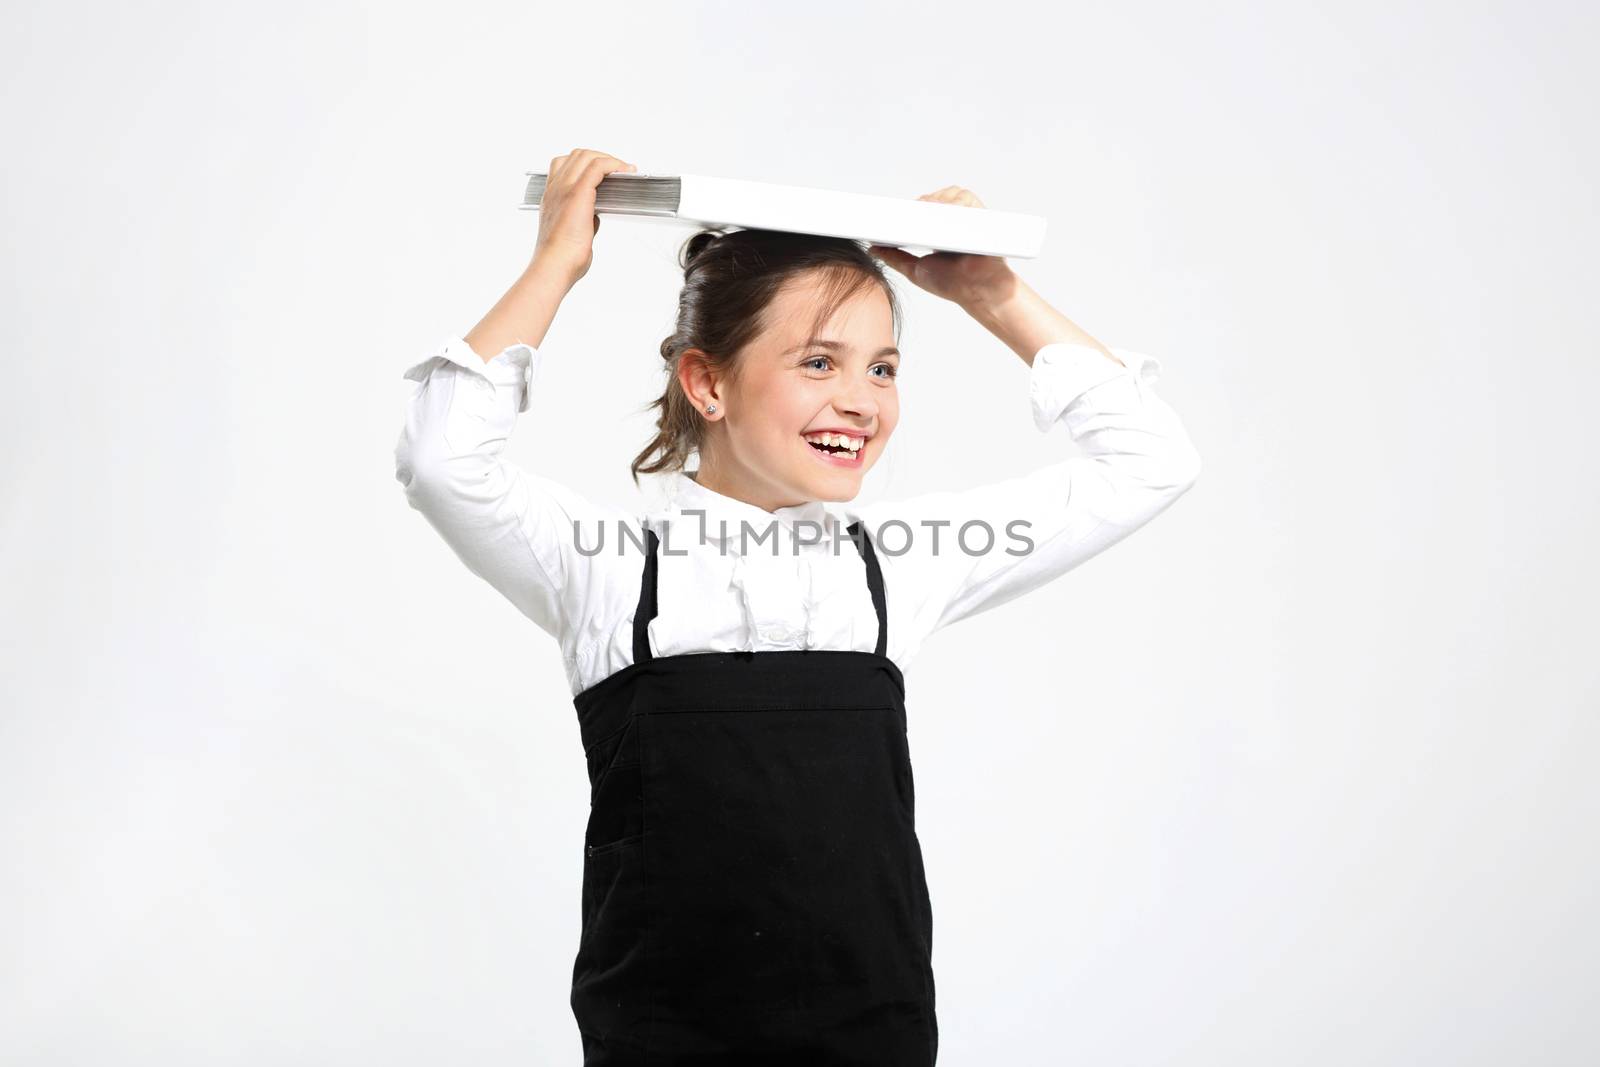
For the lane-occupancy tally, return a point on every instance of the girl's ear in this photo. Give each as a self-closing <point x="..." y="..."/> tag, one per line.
<point x="697" y="379"/>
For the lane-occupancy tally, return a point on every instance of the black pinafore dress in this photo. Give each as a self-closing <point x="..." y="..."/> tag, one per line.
<point x="753" y="887"/>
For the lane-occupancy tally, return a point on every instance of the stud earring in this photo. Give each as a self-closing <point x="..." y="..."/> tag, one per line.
<point x="711" y="409"/>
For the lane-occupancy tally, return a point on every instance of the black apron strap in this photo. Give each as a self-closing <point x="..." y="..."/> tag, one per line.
<point x="647" y="602"/>
<point x="874" y="582"/>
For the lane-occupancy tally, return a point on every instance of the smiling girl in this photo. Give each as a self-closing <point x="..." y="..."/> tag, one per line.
<point x="753" y="888"/>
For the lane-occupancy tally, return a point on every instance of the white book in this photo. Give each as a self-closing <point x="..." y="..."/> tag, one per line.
<point x="915" y="225"/>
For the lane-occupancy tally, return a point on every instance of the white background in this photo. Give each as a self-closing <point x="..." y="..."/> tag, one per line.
<point x="1299" y="773"/>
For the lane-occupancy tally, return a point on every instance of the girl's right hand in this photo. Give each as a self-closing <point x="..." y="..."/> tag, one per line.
<point x="567" y="221"/>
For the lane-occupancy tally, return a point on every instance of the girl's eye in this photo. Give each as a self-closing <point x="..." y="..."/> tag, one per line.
<point x="825" y="360"/>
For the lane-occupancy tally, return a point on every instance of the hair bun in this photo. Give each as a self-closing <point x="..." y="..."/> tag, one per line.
<point x="697" y="245"/>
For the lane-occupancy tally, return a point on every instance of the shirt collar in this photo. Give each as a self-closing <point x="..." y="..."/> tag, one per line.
<point x="723" y="514"/>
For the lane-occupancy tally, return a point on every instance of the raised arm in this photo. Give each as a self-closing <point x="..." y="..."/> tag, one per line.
<point x="512" y="528"/>
<point x="1028" y="530"/>
<point x="1137" y="460"/>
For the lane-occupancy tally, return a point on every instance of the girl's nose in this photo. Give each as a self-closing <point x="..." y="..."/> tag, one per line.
<point x="858" y="402"/>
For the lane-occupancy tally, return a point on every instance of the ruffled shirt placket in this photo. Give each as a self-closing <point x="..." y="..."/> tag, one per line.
<point x="769" y="586"/>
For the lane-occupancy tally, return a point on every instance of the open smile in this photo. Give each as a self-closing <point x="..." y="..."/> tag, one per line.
<point x="839" y="448"/>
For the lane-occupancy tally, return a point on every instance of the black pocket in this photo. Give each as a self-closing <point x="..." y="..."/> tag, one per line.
<point x="611" y="846"/>
<point x="610" y="977"/>
<point x="620" y="749"/>
<point x="616" y="801"/>
<point x="602" y="866"/>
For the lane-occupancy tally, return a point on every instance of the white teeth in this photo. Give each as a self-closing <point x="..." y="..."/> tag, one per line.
<point x="837" y="440"/>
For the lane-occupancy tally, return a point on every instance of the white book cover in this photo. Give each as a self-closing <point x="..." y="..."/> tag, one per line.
<point x="703" y="201"/>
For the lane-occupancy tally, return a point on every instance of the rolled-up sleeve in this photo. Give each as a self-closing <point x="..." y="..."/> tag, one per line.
<point x="1136" y="460"/>
<point x="512" y="528"/>
<point x="514" y="368"/>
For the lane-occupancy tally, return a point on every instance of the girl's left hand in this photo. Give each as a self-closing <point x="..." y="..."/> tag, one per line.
<point x="961" y="277"/>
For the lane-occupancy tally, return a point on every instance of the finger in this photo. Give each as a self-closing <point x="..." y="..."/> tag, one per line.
<point x="896" y="258"/>
<point x="605" y="164"/>
<point x="591" y="155"/>
<point x="576" y="162"/>
<point x="565" y="170"/>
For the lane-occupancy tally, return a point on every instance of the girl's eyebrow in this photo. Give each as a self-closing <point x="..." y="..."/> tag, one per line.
<point x="886" y="351"/>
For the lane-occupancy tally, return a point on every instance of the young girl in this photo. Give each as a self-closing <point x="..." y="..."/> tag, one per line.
<point x="753" y="888"/>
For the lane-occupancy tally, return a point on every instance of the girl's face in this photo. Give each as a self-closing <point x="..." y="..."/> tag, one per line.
<point x="787" y="395"/>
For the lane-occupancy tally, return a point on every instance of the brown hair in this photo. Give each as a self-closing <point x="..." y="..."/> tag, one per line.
<point x="729" y="279"/>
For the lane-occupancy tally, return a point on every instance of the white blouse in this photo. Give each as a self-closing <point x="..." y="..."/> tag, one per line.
<point x="780" y="582"/>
